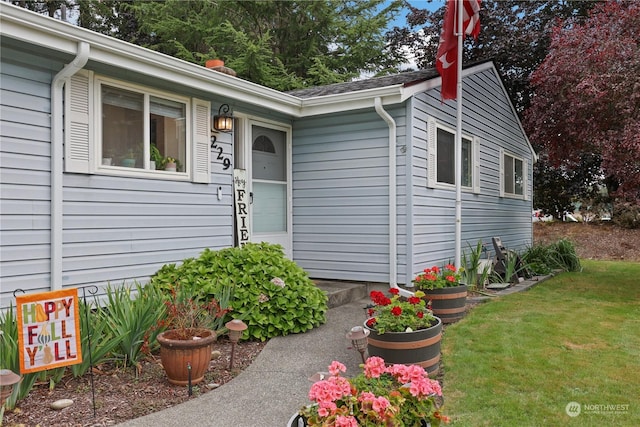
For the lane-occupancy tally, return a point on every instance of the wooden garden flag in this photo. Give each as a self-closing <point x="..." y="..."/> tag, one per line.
<point x="48" y="330"/>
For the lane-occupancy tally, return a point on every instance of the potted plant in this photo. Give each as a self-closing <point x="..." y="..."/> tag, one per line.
<point x="395" y="395"/>
<point x="403" y="330"/>
<point x="186" y="343"/>
<point x="107" y="157"/>
<point x="129" y="161"/>
<point x="170" y="164"/>
<point x="156" y="159"/>
<point x="443" y="288"/>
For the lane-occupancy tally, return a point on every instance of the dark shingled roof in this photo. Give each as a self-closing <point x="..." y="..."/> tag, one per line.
<point x="407" y="79"/>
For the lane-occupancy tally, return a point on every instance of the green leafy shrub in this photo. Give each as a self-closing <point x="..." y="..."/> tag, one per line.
<point x="543" y="259"/>
<point x="536" y="259"/>
<point x="271" y="293"/>
<point x="563" y="256"/>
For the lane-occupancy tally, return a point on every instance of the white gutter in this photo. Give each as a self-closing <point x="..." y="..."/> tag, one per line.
<point x="393" y="255"/>
<point x="57" y="151"/>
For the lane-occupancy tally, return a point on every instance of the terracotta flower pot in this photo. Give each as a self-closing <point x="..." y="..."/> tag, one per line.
<point x="178" y="355"/>
<point x="212" y="63"/>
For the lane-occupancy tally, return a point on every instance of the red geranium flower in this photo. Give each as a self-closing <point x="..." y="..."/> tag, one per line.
<point x="396" y="311"/>
<point x="414" y="300"/>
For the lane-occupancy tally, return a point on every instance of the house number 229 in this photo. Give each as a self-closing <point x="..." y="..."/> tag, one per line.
<point x="226" y="161"/>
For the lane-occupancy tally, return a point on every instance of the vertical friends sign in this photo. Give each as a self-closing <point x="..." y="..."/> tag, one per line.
<point x="242" y="200"/>
<point x="48" y="330"/>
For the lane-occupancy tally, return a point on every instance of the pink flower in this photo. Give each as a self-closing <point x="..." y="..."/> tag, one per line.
<point x="425" y="387"/>
<point x="342" y="421"/>
<point x="366" y="396"/>
<point x="374" y="367"/>
<point x="407" y="373"/>
<point x="326" y="408"/>
<point x="380" y="404"/>
<point x="336" y="367"/>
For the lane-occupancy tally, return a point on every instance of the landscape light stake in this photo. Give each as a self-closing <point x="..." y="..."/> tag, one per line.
<point x="8" y="379"/>
<point x="190" y="391"/>
<point x="358" y="336"/>
<point x="236" y="327"/>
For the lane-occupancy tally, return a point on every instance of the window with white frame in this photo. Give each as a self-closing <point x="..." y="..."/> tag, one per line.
<point x="441" y="159"/>
<point x="513" y="174"/>
<point x="142" y="131"/>
<point x="113" y="127"/>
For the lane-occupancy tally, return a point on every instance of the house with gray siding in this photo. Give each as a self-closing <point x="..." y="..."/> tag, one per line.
<point x="354" y="180"/>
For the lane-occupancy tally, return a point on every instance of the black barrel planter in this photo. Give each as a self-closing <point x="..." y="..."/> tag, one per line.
<point x="421" y="347"/>
<point x="449" y="304"/>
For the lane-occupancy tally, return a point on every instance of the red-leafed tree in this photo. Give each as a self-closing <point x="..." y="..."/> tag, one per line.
<point x="587" y="96"/>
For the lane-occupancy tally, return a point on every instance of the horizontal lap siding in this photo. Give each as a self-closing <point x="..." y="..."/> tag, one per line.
<point x="341" y="193"/>
<point x="487" y="115"/>
<point x="24" y="173"/>
<point x="119" y="229"/>
<point x="115" y="229"/>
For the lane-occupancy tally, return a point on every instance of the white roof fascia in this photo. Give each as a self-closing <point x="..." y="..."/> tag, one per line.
<point x="60" y="36"/>
<point x="341" y="102"/>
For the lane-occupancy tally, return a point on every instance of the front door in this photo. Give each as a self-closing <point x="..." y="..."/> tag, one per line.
<point x="270" y="184"/>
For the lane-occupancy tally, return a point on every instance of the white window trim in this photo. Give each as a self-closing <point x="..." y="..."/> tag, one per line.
<point x="83" y="141"/>
<point x="432" y="158"/>
<point x="525" y="177"/>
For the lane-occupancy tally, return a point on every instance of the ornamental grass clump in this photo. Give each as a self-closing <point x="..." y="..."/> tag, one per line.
<point x="396" y="395"/>
<point x="438" y="278"/>
<point x="398" y="314"/>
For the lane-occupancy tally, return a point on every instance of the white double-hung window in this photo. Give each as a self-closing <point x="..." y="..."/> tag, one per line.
<point x="441" y="152"/>
<point x="117" y="128"/>
<point x="513" y="176"/>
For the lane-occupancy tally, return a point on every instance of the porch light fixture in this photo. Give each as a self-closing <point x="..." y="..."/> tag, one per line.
<point x="236" y="327"/>
<point x="223" y="121"/>
<point x="358" y="336"/>
<point x="7" y="380"/>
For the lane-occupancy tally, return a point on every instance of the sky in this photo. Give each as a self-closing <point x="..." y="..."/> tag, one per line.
<point x="400" y="21"/>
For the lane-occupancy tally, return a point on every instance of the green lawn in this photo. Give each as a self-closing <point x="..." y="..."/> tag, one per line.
<point x="521" y="359"/>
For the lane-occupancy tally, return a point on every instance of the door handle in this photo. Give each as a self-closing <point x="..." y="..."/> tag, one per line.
<point x="251" y="197"/>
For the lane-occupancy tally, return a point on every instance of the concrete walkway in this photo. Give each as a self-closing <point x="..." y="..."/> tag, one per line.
<point x="275" y="386"/>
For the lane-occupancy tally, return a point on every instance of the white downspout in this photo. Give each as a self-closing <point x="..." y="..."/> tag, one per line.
<point x="393" y="238"/>
<point x="57" y="139"/>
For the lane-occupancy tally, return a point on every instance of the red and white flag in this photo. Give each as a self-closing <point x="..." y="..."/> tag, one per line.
<point x="447" y="56"/>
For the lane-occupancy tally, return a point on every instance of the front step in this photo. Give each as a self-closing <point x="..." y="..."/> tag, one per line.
<point x="343" y="292"/>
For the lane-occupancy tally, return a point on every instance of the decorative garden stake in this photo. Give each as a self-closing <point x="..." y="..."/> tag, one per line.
<point x="190" y="392"/>
<point x="236" y="327"/>
<point x="358" y="336"/>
